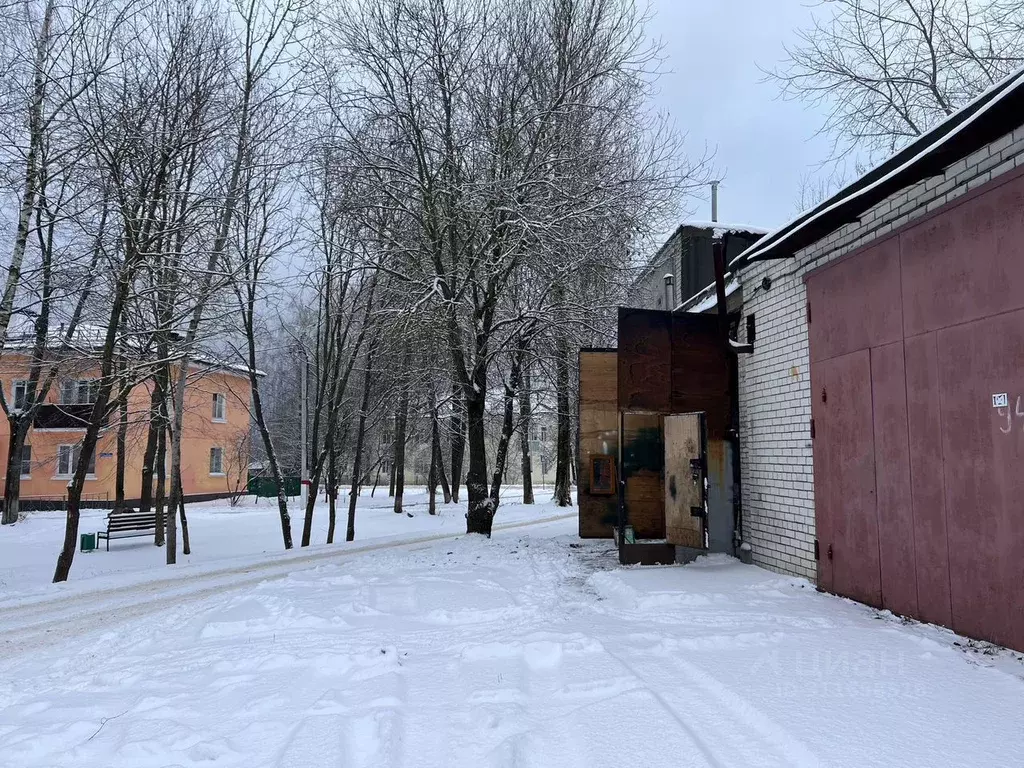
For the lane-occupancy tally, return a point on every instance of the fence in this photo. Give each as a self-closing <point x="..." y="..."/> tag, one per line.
<point x="266" y="487"/>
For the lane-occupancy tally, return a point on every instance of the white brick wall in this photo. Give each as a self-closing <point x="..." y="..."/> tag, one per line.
<point x="775" y="396"/>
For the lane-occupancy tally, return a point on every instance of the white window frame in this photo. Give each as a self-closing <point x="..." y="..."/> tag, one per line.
<point x="75" y="388"/>
<point x="71" y="451"/>
<point x="217" y="470"/>
<point x="221" y="400"/>
<point x="26" y="475"/>
<point x="544" y="433"/>
<point x="23" y="384"/>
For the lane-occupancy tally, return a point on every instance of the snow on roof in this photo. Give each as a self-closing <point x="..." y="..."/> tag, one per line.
<point x="957" y="136"/>
<point x="721" y="229"/>
<point x="90" y="337"/>
<point x="708" y="297"/>
<point x="86" y="336"/>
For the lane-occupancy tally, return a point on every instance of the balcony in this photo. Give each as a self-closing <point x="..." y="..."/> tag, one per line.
<point x="55" y="416"/>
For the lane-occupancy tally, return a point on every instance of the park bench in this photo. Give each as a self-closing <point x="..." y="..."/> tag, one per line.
<point x="126" y="524"/>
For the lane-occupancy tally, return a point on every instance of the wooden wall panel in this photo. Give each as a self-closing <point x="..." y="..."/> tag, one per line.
<point x="670" y="364"/>
<point x="700" y="371"/>
<point x="645" y="353"/>
<point x="682" y="444"/>
<point x="598" y="434"/>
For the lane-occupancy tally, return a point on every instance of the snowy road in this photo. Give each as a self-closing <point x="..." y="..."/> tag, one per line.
<point x="530" y="649"/>
<point x="28" y="625"/>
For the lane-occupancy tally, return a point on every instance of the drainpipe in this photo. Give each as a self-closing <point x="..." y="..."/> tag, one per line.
<point x="743" y="548"/>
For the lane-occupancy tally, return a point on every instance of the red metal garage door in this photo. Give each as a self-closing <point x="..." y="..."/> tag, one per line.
<point x="915" y="343"/>
<point x="848" y="550"/>
<point x="983" y="452"/>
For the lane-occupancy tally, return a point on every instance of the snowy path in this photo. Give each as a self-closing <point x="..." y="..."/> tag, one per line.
<point x="529" y="650"/>
<point x="28" y="625"/>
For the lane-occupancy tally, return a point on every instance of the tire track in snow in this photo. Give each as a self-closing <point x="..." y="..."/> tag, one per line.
<point x="708" y="753"/>
<point x="30" y="626"/>
<point x="757" y="736"/>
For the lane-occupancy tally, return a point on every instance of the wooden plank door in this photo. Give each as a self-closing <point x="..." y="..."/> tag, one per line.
<point x="684" y="481"/>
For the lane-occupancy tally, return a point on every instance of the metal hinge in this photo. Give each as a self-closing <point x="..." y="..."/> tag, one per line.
<point x="808" y="313"/>
<point x="817" y="554"/>
<point x="812" y="429"/>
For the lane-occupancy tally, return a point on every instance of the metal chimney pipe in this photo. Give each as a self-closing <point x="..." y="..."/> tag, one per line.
<point x="714" y="201"/>
<point x="670" y="293"/>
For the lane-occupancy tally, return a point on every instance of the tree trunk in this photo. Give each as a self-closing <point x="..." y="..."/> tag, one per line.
<point x="186" y="546"/>
<point x="12" y="483"/>
<point x="563" y="497"/>
<point x="524" y="437"/>
<point x="401" y="421"/>
<point x="97" y="419"/>
<point x="148" y="459"/>
<point x="458" y="440"/>
<point x="28" y="197"/>
<point x="357" y="462"/>
<point x="175" y="483"/>
<point x="149" y="456"/>
<point x="160" y="495"/>
<point x="507" y="427"/>
<point x="332" y="495"/>
<point x="268" y="446"/>
<point x="391" y="486"/>
<point x="122" y="447"/>
<point x="437" y="459"/>
<point x="480" y="514"/>
<point x="432" y="479"/>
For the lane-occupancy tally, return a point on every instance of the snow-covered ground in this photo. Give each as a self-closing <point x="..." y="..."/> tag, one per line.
<point x="530" y="649"/>
<point x="222" y="534"/>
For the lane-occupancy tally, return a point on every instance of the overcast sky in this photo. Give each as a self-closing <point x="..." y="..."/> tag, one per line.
<point x="714" y="92"/>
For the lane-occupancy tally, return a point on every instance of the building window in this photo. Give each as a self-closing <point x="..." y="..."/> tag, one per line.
<point x="219" y="406"/>
<point x="19" y="394"/>
<point x="26" y="460"/>
<point x="67" y="460"/>
<point x="543" y="434"/>
<point x="80" y="392"/>
<point x="216" y="461"/>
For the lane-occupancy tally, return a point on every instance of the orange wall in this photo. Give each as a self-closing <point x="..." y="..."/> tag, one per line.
<point x="200" y="433"/>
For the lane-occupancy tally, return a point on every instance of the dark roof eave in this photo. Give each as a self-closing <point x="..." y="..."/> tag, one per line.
<point x="992" y="115"/>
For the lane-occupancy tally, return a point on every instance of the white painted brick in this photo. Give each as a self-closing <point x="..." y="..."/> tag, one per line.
<point x="999" y="170"/>
<point x="775" y="408"/>
<point x="977" y="181"/>
<point x="976" y="157"/>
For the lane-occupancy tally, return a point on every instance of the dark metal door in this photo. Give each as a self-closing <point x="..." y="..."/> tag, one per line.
<point x="852" y="545"/>
<point x="822" y="474"/>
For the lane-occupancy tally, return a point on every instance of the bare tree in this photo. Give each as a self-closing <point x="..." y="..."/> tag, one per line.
<point x="263" y="45"/>
<point x="886" y="71"/>
<point x="513" y="127"/>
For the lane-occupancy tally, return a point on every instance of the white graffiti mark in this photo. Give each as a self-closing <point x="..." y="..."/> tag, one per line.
<point x="1006" y="413"/>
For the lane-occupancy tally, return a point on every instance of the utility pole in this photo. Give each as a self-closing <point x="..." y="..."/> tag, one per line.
<point x="304" y="469"/>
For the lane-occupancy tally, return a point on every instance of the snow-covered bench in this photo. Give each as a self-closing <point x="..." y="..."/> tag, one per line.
<point x="127" y="524"/>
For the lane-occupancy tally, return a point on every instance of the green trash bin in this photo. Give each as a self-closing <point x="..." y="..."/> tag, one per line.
<point x="88" y="542"/>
